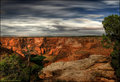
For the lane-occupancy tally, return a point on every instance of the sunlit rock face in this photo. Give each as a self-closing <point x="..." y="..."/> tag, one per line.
<point x="68" y="48"/>
<point x="95" y="68"/>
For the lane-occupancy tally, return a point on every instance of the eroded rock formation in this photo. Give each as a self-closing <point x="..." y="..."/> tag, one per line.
<point x="95" y="68"/>
<point x="68" y="48"/>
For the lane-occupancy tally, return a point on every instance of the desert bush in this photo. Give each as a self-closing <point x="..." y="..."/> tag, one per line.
<point x="12" y="67"/>
<point x="36" y="65"/>
<point x="37" y="59"/>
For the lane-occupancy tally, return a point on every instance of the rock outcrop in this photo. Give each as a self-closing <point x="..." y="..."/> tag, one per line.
<point x="95" y="68"/>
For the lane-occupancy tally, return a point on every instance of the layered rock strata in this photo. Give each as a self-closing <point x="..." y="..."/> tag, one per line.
<point x="68" y="48"/>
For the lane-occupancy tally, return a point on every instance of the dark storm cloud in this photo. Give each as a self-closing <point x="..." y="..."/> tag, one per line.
<point x="55" y="8"/>
<point x="55" y="17"/>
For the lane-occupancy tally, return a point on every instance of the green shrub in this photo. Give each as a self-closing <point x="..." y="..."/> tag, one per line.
<point x="115" y="62"/>
<point x="37" y="59"/>
<point x="36" y="66"/>
<point x="118" y="72"/>
<point x="12" y="67"/>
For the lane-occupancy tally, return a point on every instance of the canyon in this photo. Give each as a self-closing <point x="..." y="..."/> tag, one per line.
<point x="75" y="59"/>
<point x="58" y="48"/>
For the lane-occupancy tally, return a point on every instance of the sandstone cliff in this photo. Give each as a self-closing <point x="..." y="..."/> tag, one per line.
<point x="65" y="48"/>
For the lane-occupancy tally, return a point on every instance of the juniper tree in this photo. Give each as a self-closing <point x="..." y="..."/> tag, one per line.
<point x="111" y="25"/>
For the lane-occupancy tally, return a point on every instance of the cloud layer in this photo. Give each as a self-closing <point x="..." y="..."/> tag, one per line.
<point x="55" y="18"/>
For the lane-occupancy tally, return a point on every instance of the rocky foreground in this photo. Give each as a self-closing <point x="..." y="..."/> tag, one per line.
<point x="95" y="68"/>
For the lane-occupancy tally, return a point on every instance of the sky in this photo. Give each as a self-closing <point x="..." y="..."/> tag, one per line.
<point x="55" y="17"/>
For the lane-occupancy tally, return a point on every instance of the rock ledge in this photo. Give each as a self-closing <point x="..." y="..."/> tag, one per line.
<point x="94" y="68"/>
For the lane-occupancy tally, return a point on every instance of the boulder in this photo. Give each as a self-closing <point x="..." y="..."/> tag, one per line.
<point x="94" y="68"/>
